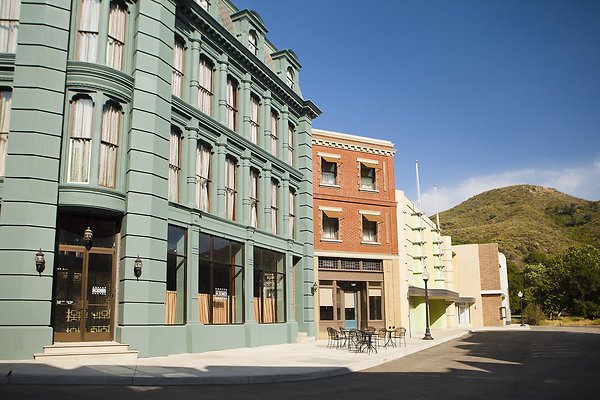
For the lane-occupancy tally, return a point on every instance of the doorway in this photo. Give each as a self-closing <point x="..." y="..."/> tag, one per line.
<point x="351" y="310"/>
<point x="83" y="302"/>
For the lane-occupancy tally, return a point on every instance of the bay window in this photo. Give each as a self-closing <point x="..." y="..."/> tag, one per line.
<point x="202" y="177"/>
<point x="115" y="47"/>
<point x="87" y="30"/>
<point x="9" y="25"/>
<point x="109" y="144"/>
<point x="80" y="139"/>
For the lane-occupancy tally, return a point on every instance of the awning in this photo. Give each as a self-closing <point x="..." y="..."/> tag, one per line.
<point x="331" y="212"/>
<point x="368" y="163"/>
<point x="374" y="216"/>
<point x="466" y="300"/>
<point x="330" y="157"/>
<point x="445" y="294"/>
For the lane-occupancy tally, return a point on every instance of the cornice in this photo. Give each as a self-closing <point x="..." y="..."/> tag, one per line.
<point x="353" y="147"/>
<point x="99" y="77"/>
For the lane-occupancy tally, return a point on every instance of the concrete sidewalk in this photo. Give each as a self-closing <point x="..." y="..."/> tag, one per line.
<point x="277" y="363"/>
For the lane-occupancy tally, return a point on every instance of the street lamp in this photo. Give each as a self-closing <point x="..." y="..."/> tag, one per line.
<point x="520" y="294"/>
<point x="427" y="331"/>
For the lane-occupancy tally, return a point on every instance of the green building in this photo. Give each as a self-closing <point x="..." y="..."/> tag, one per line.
<point x="155" y="178"/>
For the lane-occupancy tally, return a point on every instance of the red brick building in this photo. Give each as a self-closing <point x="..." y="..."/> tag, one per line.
<point x="356" y="261"/>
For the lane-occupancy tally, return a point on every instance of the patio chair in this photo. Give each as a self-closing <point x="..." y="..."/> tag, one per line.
<point x="333" y="338"/>
<point x="399" y="335"/>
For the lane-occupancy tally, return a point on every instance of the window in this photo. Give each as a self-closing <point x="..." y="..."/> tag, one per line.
<point x="178" y="60"/>
<point x="291" y="134"/>
<point x="375" y="312"/>
<point x="230" y="186"/>
<point x="176" y="266"/>
<point x="232" y="88"/>
<point x="326" y="304"/>
<point x="328" y="172"/>
<point x="205" y="79"/>
<point x="87" y="31"/>
<point x="292" y="217"/>
<point x="82" y="109"/>
<point x="253" y="195"/>
<point x="269" y="286"/>
<point x="331" y="224"/>
<point x="9" y="25"/>
<point x="116" y="35"/>
<point x="109" y="144"/>
<point x="253" y="43"/>
<point x="203" y="4"/>
<point x="254" y="126"/>
<point x="368" y="174"/>
<point x="5" y="102"/>
<point x="274" y="132"/>
<point x="289" y="77"/>
<point x="220" y="281"/>
<point x="174" y="164"/>
<point x="202" y="177"/>
<point x="369" y="229"/>
<point x="274" y="205"/>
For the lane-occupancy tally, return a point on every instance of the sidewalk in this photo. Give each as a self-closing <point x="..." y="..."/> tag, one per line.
<point x="266" y="364"/>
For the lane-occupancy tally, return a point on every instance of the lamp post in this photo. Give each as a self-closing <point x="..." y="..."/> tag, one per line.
<point x="427" y="331"/>
<point x="520" y="294"/>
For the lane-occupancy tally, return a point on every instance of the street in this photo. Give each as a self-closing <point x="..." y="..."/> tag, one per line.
<point x="550" y="363"/>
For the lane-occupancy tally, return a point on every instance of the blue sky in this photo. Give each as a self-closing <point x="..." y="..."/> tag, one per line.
<point x="484" y="94"/>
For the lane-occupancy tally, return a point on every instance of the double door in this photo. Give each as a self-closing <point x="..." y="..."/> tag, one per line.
<point x="83" y="307"/>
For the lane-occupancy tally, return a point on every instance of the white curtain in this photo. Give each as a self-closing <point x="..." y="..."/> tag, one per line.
<point x="274" y="133"/>
<point x="291" y="133"/>
<point x="330" y="227"/>
<point x="109" y="144"/>
<point x="178" y="58"/>
<point x="254" y="107"/>
<point x="230" y="189"/>
<point x="292" y="218"/>
<point x="80" y="141"/>
<point x="116" y="36"/>
<point x="253" y="198"/>
<point x="174" y="166"/>
<point x="87" y="37"/>
<point x="9" y="25"/>
<point x="205" y="79"/>
<point x="369" y="230"/>
<point x="202" y="174"/>
<point x="231" y="103"/>
<point x="274" y="187"/>
<point x="5" y="102"/>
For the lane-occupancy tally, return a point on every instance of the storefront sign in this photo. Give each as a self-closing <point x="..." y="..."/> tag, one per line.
<point x="99" y="290"/>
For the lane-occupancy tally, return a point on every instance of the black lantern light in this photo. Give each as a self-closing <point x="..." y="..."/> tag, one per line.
<point x="87" y="238"/>
<point x="137" y="268"/>
<point x="520" y="294"/>
<point x="40" y="262"/>
<point x="427" y="331"/>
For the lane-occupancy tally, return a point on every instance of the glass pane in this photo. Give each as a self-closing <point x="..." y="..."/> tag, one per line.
<point x="67" y="311"/>
<point x="99" y="293"/>
<point x="280" y="298"/>
<point x="205" y="246"/>
<point x="238" y="291"/>
<point x="221" y="251"/>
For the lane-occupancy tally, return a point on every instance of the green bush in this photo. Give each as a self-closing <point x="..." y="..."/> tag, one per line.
<point x="588" y="309"/>
<point x="533" y="314"/>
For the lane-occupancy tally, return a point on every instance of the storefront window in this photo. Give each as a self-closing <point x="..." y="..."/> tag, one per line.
<point x="269" y="286"/>
<point x="176" y="266"/>
<point x="375" y="312"/>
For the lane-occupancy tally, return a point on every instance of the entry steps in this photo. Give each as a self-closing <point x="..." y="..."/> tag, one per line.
<point x="304" y="338"/>
<point x="87" y="350"/>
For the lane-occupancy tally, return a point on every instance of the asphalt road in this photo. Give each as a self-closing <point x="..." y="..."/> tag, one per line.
<point x="538" y="364"/>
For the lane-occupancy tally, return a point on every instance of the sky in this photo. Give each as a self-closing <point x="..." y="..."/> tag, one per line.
<point x="484" y="94"/>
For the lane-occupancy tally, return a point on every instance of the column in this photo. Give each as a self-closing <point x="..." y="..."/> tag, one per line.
<point x="221" y="88"/>
<point x="191" y="132"/>
<point x="284" y="139"/>
<point x="264" y="220"/>
<point x="194" y="62"/>
<point x="218" y="173"/>
<point x="265" y="121"/>
<point x="244" y="187"/>
<point x="244" y="105"/>
<point x="285" y="205"/>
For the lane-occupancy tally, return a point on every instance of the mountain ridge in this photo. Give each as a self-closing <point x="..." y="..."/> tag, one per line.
<point x="525" y="220"/>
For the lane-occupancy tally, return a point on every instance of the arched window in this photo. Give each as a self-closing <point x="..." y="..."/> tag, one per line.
<point x="253" y="43"/>
<point x="232" y="97"/>
<point x="254" y="119"/>
<point x="205" y="79"/>
<point x="289" y="77"/>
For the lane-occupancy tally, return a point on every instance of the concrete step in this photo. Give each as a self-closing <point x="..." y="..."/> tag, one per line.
<point x="304" y="338"/>
<point x="87" y="350"/>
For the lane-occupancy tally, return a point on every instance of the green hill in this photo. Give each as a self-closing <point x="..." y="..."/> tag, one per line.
<point x="524" y="220"/>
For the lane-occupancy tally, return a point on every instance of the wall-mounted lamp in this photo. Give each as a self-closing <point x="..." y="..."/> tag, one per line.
<point x="40" y="262"/>
<point x="137" y="267"/>
<point x="87" y="238"/>
<point x="313" y="288"/>
<point x="502" y="312"/>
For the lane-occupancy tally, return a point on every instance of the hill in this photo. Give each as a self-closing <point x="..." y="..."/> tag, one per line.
<point x="524" y="220"/>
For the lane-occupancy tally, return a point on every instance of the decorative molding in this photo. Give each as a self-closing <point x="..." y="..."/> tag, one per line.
<point x="353" y="147"/>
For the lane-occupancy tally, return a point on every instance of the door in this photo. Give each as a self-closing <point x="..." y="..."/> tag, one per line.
<point x="83" y="301"/>
<point x="350" y="310"/>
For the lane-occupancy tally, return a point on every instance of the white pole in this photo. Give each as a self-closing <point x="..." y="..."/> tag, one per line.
<point x="437" y="209"/>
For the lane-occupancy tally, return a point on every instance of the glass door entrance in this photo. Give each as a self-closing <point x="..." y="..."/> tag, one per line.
<point x="83" y="303"/>
<point x="350" y="310"/>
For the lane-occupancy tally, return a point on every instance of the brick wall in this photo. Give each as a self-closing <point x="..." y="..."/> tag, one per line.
<point x="489" y="266"/>
<point x="348" y="196"/>
<point x="491" y="310"/>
